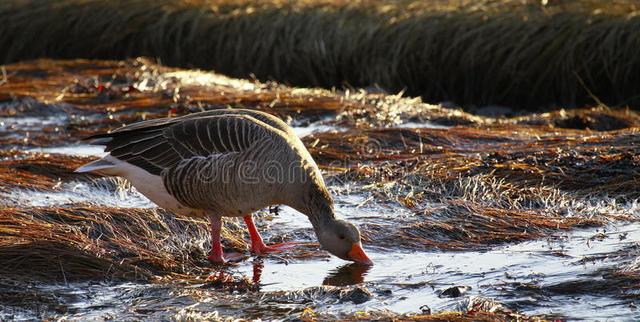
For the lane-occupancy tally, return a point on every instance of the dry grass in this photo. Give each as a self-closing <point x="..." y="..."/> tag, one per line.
<point x="583" y="163"/>
<point x="75" y="243"/>
<point x="506" y="52"/>
<point x="37" y="171"/>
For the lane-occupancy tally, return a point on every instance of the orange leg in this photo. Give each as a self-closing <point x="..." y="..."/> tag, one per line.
<point x="217" y="255"/>
<point x="258" y="246"/>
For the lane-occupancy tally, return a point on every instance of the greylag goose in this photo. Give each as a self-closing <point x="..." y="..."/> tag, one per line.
<point x="226" y="163"/>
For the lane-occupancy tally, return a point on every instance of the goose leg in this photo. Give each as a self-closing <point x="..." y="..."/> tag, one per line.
<point x="258" y="246"/>
<point x="217" y="255"/>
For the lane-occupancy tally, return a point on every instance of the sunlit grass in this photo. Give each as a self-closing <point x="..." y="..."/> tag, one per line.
<point x="516" y="53"/>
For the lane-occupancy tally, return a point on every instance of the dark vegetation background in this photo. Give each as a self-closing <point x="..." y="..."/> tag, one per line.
<point x="525" y="54"/>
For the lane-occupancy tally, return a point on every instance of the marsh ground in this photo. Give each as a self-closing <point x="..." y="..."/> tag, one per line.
<point x="467" y="217"/>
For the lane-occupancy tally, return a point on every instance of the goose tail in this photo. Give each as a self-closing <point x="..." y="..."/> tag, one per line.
<point x="95" y="166"/>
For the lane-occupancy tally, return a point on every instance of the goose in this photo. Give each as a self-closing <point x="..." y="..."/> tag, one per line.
<point x="226" y="163"/>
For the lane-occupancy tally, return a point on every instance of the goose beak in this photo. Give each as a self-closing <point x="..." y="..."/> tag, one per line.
<point x="358" y="255"/>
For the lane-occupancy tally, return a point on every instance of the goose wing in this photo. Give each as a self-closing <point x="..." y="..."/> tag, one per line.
<point x="161" y="144"/>
<point x="258" y="115"/>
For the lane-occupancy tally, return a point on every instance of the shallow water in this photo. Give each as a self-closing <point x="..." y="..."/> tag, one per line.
<point x="521" y="276"/>
<point x="108" y="192"/>
<point x="416" y="279"/>
<point x="27" y="123"/>
<point x="421" y="125"/>
<point x="83" y="150"/>
<point x="303" y="131"/>
<point x="515" y="275"/>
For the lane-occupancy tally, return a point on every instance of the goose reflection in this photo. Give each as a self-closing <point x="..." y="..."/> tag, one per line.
<point x="348" y="274"/>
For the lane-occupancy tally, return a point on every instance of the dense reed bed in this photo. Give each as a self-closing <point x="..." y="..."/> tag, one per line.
<point x="516" y="53"/>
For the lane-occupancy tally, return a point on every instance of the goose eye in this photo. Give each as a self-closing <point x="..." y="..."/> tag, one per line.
<point x="341" y="236"/>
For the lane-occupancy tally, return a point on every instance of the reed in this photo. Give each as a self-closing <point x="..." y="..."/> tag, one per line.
<point x="514" y="53"/>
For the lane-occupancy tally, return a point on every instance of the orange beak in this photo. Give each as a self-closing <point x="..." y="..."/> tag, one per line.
<point x="358" y="255"/>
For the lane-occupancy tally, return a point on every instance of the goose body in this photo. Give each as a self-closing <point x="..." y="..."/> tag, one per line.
<point x="225" y="163"/>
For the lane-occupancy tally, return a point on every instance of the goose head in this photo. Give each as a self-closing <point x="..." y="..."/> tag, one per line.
<point x="339" y="237"/>
<point x="342" y="239"/>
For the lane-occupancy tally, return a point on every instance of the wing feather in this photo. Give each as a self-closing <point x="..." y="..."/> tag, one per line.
<point x="158" y="145"/>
